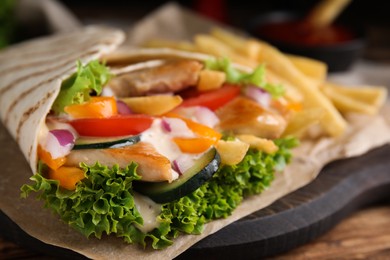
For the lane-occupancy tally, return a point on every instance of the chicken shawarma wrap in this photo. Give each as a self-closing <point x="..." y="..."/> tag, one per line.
<point x="145" y="150"/>
<point x="144" y="144"/>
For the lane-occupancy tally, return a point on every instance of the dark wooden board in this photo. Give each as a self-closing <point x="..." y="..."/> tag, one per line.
<point x="341" y="188"/>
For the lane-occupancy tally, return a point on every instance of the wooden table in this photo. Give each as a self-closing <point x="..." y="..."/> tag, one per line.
<point x="365" y="234"/>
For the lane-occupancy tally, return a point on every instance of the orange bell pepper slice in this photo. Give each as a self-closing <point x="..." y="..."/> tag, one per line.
<point x="206" y="136"/>
<point x="45" y="156"/>
<point x="202" y="130"/>
<point x="67" y="176"/>
<point x="194" y="145"/>
<point x="96" y="107"/>
<point x="197" y="128"/>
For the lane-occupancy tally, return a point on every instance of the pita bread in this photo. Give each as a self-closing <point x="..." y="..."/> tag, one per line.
<point x="32" y="76"/>
<point x="131" y="55"/>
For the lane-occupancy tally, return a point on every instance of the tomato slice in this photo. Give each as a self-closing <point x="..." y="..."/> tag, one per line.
<point x="112" y="126"/>
<point x="213" y="99"/>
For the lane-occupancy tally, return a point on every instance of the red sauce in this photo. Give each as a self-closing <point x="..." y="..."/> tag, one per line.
<point x="300" y="33"/>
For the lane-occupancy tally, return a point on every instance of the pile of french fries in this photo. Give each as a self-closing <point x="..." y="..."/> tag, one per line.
<point x="304" y="80"/>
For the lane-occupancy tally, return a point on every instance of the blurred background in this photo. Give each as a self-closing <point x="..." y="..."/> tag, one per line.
<point x="235" y="12"/>
<point x="371" y="16"/>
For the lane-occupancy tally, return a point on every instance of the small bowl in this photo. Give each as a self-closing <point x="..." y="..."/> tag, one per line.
<point x="338" y="56"/>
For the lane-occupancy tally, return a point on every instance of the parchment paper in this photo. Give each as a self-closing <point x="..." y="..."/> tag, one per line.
<point x="46" y="12"/>
<point x="363" y="134"/>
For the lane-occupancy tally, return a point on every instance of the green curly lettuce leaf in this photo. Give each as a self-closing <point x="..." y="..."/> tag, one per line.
<point x="78" y="88"/>
<point x="228" y="187"/>
<point x="103" y="202"/>
<point x="234" y="76"/>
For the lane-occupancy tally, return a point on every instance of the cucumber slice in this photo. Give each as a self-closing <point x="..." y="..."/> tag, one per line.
<point x="163" y="192"/>
<point x="104" y="142"/>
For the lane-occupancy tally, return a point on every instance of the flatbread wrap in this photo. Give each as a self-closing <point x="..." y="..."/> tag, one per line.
<point x="159" y="131"/>
<point x="148" y="148"/>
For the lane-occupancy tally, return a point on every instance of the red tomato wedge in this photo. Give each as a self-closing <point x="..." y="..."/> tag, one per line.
<point x="112" y="126"/>
<point x="213" y="99"/>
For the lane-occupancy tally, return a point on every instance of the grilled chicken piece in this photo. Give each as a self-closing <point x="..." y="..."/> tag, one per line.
<point x="244" y="116"/>
<point x="170" y="77"/>
<point x="152" y="166"/>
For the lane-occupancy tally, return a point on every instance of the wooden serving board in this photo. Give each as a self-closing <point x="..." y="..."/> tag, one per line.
<point x="341" y="188"/>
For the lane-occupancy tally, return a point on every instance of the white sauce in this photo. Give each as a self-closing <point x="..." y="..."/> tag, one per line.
<point x="161" y="141"/>
<point x="127" y="143"/>
<point x="149" y="211"/>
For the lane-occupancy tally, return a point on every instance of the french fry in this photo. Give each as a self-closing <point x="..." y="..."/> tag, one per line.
<point x="245" y="47"/>
<point x="310" y="67"/>
<point x="332" y="121"/>
<point x="207" y="44"/>
<point x="371" y="95"/>
<point x="251" y="49"/>
<point x="210" y="45"/>
<point x="304" y="80"/>
<point x="346" y="104"/>
<point x="302" y="120"/>
<point x="325" y="12"/>
<point x="153" y="105"/>
<point x="160" y="43"/>
<point x="366" y="100"/>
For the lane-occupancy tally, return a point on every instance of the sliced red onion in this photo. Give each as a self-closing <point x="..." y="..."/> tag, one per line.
<point x="200" y="114"/>
<point x="176" y="127"/>
<point x="259" y="95"/>
<point x="63" y="136"/>
<point x="166" y="126"/>
<point x="182" y="163"/>
<point x="59" y="143"/>
<point x="176" y="167"/>
<point x="53" y="124"/>
<point x="123" y="108"/>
